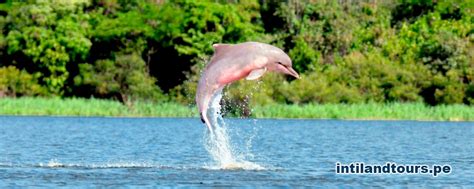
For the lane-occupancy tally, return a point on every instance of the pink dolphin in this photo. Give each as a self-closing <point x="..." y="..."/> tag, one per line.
<point x="232" y="62"/>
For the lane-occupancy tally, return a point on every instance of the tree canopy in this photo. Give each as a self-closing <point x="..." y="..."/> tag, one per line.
<point x="346" y="51"/>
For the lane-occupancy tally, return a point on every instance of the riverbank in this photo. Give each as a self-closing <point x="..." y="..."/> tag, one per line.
<point x="108" y="108"/>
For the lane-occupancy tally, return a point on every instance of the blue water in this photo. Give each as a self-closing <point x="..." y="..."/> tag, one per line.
<point x="136" y="152"/>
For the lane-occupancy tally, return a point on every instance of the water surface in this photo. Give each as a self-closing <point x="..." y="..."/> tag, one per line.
<point x="110" y="152"/>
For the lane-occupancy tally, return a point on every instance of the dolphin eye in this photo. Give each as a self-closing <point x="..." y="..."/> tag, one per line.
<point x="280" y="63"/>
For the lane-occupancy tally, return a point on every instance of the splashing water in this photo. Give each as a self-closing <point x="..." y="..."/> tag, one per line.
<point x="218" y="143"/>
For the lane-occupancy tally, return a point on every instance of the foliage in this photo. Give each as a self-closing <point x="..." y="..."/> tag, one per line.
<point x="91" y="107"/>
<point x="44" y="37"/>
<point x="365" y="111"/>
<point x="351" y="53"/>
<point x="125" y="78"/>
<point x="346" y="51"/>
<point x="202" y="23"/>
<point x="368" y="111"/>
<point x="17" y="83"/>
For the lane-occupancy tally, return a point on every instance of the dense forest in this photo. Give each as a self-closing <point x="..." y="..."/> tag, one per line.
<point x="345" y="51"/>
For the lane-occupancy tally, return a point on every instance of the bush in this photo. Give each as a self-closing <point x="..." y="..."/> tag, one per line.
<point x="14" y="82"/>
<point x="124" y="78"/>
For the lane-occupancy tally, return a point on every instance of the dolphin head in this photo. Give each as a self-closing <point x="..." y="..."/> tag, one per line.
<point x="279" y="61"/>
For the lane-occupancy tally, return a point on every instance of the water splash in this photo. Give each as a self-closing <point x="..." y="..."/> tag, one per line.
<point x="52" y="163"/>
<point x="218" y="143"/>
<point x="56" y="164"/>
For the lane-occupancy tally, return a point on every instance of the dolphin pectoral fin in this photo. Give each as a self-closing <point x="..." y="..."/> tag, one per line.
<point x="255" y="74"/>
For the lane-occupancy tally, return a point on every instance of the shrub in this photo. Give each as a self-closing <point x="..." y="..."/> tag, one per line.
<point x="124" y="78"/>
<point x="14" y="82"/>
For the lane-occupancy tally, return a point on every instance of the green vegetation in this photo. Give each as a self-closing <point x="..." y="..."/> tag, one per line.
<point x="91" y="107"/>
<point x="356" y="53"/>
<point x="370" y="111"/>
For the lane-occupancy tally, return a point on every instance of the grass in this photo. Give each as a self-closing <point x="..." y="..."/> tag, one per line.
<point x="90" y="107"/>
<point x="370" y="111"/>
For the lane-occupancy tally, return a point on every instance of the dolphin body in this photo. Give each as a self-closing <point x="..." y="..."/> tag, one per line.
<point x="232" y="62"/>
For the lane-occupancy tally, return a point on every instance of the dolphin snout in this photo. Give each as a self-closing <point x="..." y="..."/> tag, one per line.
<point x="293" y="73"/>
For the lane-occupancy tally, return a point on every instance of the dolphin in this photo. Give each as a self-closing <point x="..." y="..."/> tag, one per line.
<point x="232" y="62"/>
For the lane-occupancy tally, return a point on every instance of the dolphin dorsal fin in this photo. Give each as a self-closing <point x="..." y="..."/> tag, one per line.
<point x="220" y="46"/>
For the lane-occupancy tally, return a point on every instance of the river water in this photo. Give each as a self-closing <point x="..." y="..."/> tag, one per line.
<point x="134" y="152"/>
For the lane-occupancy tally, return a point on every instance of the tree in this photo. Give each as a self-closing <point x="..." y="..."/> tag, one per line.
<point x="124" y="78"/>
<point x="45" y="37"/>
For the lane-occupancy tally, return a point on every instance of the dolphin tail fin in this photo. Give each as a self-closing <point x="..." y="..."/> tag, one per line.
<point x="206" y="121"/>
<point x="202" y="118"/>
